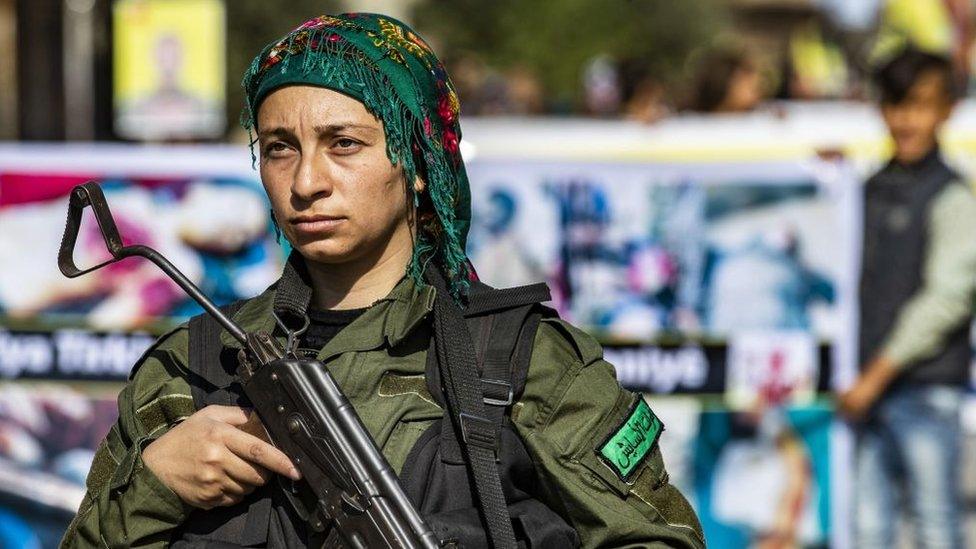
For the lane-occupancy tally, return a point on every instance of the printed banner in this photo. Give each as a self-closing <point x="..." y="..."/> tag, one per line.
<point x="770" y="369"/>
<point x="216" y="230"/>
<point x="764" y="478"/>
<point x="48" y="436"/>
<point x="633" y="252"/>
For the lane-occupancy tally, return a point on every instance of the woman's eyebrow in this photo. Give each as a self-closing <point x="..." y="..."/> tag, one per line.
<point x="276" y="132"/>
<point x="322" y="130"/>
<point x="332" y="129"/>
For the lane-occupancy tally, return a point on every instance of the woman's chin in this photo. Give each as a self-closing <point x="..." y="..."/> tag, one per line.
<point x="325" y="253"/>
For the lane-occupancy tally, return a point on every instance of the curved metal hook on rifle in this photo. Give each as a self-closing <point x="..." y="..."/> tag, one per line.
<point x="90" y="194"/>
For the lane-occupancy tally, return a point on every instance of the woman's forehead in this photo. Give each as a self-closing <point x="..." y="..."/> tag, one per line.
<point x="314" y="106"/>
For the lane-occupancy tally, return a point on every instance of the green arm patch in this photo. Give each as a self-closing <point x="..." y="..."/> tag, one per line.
<point x="626" y="446"/>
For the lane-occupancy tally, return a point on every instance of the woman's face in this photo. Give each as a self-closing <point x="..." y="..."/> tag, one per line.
<point x="335" y="194"/>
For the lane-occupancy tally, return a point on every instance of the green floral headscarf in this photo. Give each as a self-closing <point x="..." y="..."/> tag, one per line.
<point x="385" y="65"/>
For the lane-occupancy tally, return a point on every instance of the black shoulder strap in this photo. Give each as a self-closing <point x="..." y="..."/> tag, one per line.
<point x="456" y="360"/>
<point x="485" y="299"/>
<point x="502" y="324"/>
<point x="499" y="368"/>
<point x="507" y="321"/>
<point x="208" y="374"/>
<point x="476" y="401"/>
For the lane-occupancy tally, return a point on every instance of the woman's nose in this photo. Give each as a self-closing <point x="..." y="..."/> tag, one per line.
<point x="312" y="180"/>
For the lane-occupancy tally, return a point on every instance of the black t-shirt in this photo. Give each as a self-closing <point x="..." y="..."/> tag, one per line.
<point x="323" y="326"/>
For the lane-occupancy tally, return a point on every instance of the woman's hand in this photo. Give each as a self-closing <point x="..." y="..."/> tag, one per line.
<point x="209" y="460"/>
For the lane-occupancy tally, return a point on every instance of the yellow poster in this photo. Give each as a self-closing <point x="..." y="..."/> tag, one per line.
<point x="926" y="24"/>
<point x="169" y="69"/>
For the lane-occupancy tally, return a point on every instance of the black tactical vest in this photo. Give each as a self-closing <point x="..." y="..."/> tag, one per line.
<point x="435" y="476"/>
<point x="897" y="205"/>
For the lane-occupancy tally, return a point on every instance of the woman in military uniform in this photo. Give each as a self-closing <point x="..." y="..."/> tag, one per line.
<point x="357" y="133"/>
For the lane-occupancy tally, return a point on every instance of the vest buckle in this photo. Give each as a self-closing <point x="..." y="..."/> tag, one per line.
<point x="478" y="431"/>
<point x="497" y="392"/>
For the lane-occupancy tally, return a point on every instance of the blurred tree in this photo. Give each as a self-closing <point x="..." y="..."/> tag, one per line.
<point x="557" y="38"/>
<point x="251" y="25"/>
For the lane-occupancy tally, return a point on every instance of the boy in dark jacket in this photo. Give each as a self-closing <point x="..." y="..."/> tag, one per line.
<point x="918" y="275"/>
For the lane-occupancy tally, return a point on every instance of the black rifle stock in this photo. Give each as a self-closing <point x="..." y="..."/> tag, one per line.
<point x="305" y="413"/>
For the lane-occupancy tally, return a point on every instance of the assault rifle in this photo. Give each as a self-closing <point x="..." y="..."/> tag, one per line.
<point x="305" y="413"/>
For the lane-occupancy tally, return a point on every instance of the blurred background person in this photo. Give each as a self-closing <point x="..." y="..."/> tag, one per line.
<point x="647" y="102"/>
<point x="918" y="282"/>
<point x="726" y="81"/>
<point x="644" y="93"/>
<point x="601" y="86"/>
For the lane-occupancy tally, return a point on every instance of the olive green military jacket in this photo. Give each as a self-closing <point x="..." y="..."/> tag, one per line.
<point x="571" y="405"/>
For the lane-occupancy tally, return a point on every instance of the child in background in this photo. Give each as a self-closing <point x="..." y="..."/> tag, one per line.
<point x="918" y="280"/>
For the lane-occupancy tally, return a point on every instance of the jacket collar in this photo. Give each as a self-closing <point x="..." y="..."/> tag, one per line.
<point x="387" y="321"/>
<point x="929" y="164"/>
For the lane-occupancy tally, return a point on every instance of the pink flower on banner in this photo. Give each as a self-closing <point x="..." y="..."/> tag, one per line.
<point x="428" y="127"/>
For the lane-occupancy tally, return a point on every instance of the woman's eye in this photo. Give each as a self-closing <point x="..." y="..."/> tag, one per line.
<point x="345" y="144"/>
<point x="275" y="148"/>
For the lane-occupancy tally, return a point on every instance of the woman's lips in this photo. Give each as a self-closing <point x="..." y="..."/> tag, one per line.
<point x="316" y="225"/>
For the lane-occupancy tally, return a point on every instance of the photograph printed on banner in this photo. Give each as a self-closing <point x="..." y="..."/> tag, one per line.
<point x="216" y="231"/>
<point x="763" y="480"/>
<point x="636" y="251"/>
<point x="48" y="437"/>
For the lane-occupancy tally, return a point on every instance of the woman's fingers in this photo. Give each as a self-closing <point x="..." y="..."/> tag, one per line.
<point x="233" y="415"/>
<point x="246" y="472"/>
<point x="257" y="451"/>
